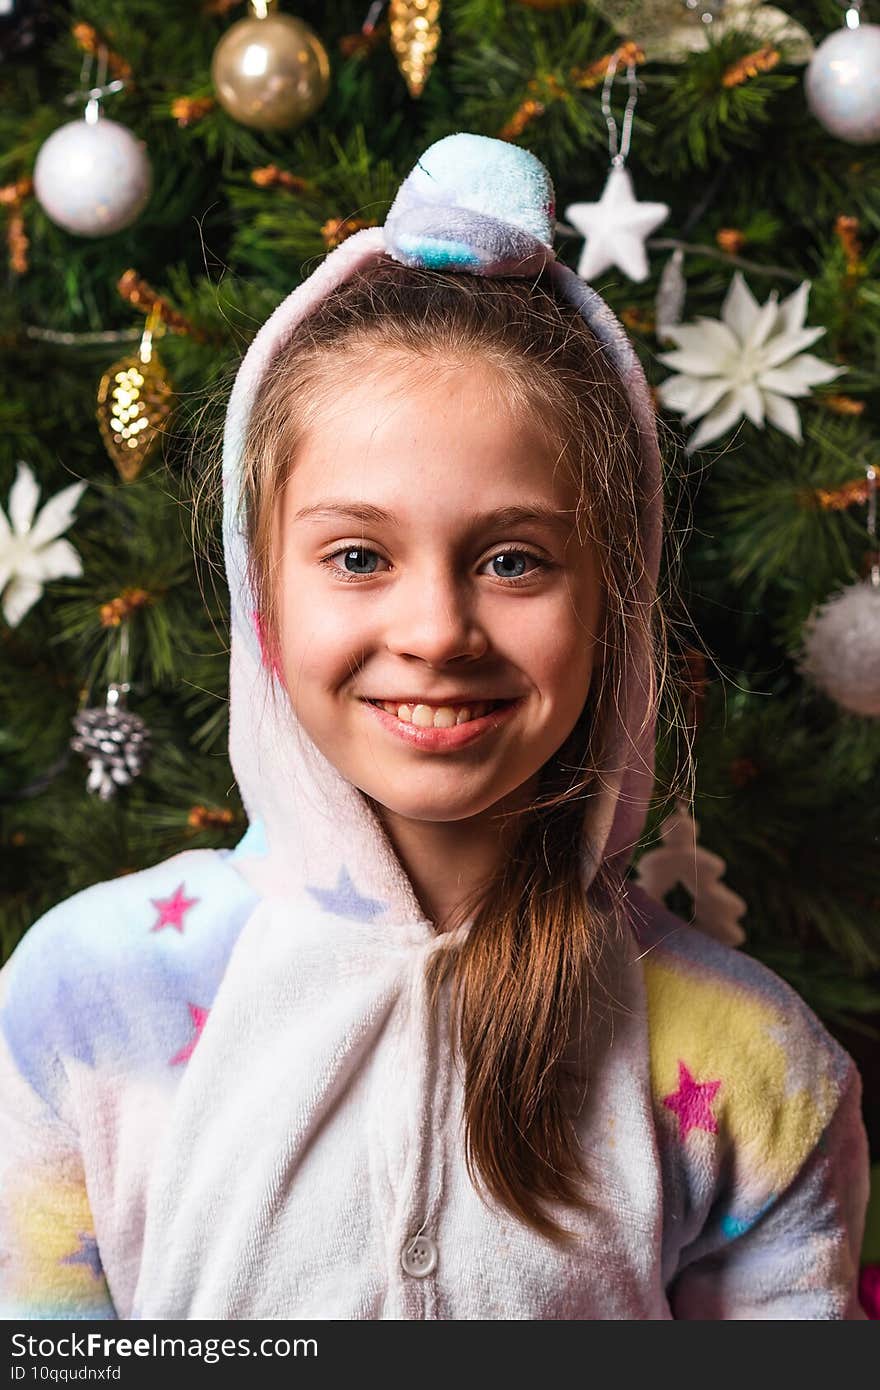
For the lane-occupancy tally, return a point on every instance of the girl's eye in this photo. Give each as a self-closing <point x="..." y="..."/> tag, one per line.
<point x="348" y="552"/>
<point x="514" y="557"/>
<point x="357" y="553"/>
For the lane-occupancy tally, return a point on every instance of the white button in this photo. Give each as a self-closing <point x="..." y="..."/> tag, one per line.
<point x="419" y="1256"/>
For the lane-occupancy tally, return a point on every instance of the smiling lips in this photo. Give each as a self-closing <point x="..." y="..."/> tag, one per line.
<point x="445" y="716"/>
<point x="461" y="728"/>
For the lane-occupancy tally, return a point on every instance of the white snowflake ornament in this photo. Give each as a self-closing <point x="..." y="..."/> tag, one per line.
<point x="750" y="364"/>
<point x="30" y="551"/>
<point x="615" y="228"/>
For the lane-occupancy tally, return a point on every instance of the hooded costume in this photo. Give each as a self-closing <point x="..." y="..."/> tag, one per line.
<point x="223" y="1096"/>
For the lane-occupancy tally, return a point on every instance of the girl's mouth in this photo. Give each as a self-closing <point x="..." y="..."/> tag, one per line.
<point x="455" y="735"/>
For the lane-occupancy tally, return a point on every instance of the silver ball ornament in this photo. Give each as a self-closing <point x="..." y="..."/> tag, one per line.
<point x="842" y="84"/>
<point x="272" y="73"/>
<point x="93" y="178"/>
<point x="842" y="649"/>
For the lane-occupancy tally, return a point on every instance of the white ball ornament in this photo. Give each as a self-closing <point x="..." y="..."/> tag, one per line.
<point x="842" y="84"/>
<point x="93" y="177"/>
<point x="842" y="648"/>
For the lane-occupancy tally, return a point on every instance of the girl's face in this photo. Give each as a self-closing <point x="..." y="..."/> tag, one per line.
<point x="443" y="596"/>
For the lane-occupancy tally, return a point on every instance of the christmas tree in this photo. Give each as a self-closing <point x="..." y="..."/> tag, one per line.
<point x="709" y="184"/>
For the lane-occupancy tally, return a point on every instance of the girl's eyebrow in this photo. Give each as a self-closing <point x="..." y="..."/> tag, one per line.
<point x="364" y="512"/>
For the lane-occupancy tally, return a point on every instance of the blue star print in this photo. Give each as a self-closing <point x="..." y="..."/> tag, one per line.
<point x="345" y="901"/>
<point x="87" y="1254"/>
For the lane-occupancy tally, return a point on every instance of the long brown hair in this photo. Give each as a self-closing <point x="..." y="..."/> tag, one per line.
<point x="532" y="980"/>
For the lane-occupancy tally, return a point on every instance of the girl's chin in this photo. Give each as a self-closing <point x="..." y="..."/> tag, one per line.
<point x="443" y="800"/>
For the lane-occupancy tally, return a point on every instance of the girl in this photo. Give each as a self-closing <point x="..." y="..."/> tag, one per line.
<point x="415" y="1049"/>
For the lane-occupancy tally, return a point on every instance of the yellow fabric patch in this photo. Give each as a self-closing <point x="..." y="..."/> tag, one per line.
<point x="724" y="1034"/>
<point x="51" y="1221"/>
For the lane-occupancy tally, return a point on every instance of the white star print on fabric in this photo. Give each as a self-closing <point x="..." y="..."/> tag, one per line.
<point x="615" y="228"/>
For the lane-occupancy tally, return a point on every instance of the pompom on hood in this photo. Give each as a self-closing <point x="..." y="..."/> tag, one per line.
<point x="470" y="204"/>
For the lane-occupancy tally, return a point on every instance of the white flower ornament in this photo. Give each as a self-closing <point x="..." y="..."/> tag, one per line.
<point x="30" y="551"/>
<point x="749" y="364"/>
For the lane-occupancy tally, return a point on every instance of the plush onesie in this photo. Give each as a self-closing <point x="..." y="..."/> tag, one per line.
<point x="223" y="1096"/>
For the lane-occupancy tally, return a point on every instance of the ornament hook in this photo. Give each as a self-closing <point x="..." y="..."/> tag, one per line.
<point x="153" y="325"/>
<point x="853" y="17"/>
<point x="123" y="661"/>
<point x="872" y="525"/>
<point x="619" y="153"/>
<point x="116" y="694"/>
<point x="94" y="92"/>
<point x="372" y="18"/>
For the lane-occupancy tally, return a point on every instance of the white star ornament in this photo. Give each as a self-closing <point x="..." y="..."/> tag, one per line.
<point x="615" y="228"/>
<point x="750" y="364"/>
<point x="30" y="551"/>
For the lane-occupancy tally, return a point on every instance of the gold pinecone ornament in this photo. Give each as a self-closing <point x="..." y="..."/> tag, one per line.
<point x="134" y="401"/>
<point x="415" y="36"/>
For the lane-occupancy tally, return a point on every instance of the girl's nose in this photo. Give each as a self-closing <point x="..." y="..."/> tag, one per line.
<point x="434" y="617"/>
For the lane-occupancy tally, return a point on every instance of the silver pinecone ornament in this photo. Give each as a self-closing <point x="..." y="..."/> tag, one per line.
<point x="115" y="742"/>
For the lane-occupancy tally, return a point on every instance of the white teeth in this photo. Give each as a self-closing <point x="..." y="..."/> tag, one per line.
<point x="427" y="718"/>
<point x="444" y="717"/>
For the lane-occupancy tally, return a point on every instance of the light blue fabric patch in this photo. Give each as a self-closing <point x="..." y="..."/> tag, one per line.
<point x="475" y="204"/>
<point x="252" y="842"/>
<point x="439" y="255"/>
<point x="96" y="979"/>
<point x="733" y="1226"/>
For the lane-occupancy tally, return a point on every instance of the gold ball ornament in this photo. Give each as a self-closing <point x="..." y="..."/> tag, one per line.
<point x="270" y="73"/>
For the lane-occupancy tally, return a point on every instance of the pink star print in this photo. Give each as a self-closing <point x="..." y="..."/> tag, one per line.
<point x="692" y="1102"/>
<point x="199" y="1017"/>
<point x="171" y="909"/>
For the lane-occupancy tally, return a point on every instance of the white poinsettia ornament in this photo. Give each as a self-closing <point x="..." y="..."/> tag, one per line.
<point x="30" y="551"/>
<point x="749" y="364"/>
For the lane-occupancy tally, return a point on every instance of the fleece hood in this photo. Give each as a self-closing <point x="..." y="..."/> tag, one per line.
<point x="470" y="204"/>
